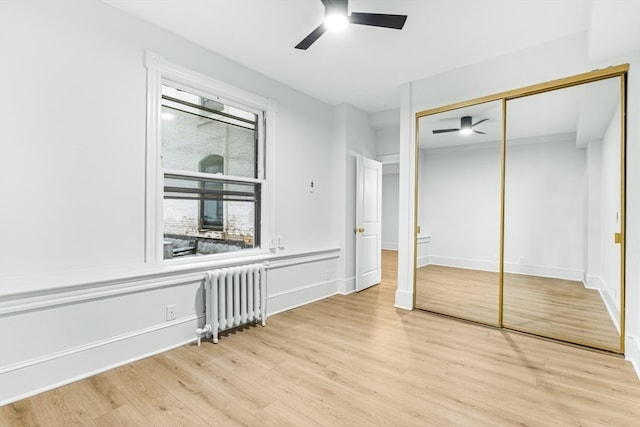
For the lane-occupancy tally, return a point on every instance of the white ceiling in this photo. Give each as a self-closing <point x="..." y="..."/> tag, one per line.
<point x="363" y="66"/>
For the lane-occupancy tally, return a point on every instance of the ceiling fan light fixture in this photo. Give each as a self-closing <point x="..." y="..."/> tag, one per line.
<point x="336" y="22"/>
<point x="466" y="127"/>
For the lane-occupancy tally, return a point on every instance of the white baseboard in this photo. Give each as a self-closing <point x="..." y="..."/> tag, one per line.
<point x="404" y="300"/>
<point x="545" y="271"/>
<point x="471" y="264"/>
<point x="35" y="376"/>
<point x="632" y="353"/>
<point x="296" y="297"/>
<point x="347" y="286"/>
<point x="390" y="246"/>
<point x="612" y="308"/>
<point x="423" y="261"/>
<point x="594" y="282"/>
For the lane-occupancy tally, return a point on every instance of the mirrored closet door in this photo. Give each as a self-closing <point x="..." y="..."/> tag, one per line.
<point x="520" y="210"/>
<point x="562" y="214"/>
<point x="459" y="212"/>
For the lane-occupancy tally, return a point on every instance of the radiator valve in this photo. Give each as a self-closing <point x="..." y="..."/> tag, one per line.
<point x="206" y="329"/>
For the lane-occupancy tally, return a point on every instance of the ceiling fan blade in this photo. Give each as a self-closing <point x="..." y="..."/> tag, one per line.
<point x="378" y="20"/>
<point x="445" y="130"/>
<point x="481" y="121"/>
<point x="312" y="37"/>
<point x="477" y="131"/>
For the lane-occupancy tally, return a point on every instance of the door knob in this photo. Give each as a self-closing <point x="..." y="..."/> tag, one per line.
<point x="358" y="230"/>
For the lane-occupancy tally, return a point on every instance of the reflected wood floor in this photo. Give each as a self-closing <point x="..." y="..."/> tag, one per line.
<point x="555" y="308"/>
<point x="352" y="361"/>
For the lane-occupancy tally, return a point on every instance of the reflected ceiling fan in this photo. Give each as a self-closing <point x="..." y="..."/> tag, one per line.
<point x="336" y="17"/>
<point x="466" y="126"/>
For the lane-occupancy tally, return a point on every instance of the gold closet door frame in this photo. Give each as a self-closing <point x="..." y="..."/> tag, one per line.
<point x="579" y="79"/>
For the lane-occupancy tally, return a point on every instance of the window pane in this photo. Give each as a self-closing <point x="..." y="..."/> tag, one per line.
<point x="183" y="235"/>
<point x="195" y="129"/>
<point x="207" y="215"/>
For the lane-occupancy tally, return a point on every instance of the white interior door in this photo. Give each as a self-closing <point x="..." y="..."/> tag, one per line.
<point x="368" y="223"/>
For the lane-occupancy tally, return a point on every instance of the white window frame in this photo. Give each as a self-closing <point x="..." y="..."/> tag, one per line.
<point x="161" y="71"/>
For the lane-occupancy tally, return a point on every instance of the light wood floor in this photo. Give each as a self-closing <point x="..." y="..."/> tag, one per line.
<point x="555" y="308"/>
<point x="353" y="361"/>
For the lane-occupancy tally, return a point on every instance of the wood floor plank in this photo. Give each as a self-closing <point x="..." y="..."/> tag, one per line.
<point x="123" y="416"/>
<point x="19" y="414"/>
<point x="353" y="360"/>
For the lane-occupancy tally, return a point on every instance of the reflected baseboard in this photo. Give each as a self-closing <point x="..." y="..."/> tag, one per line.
<point x="594" y="282"/>
<point x="599" y="284"/>
<point x="514" y="268"/>
<point x="469" y="264"/>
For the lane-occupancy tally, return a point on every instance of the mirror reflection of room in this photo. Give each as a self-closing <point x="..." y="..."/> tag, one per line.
<point x="563" y="215"/>
<point x="562" y="211"/>
<point x="459" y="212"/>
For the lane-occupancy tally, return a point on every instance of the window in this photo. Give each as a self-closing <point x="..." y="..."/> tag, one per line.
<point x="206" y="166"/>
<point x="212" y="188"/>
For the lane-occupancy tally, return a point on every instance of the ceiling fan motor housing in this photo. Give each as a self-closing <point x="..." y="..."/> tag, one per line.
<point x="335" y="8"/>
<point x="465" y="122"/>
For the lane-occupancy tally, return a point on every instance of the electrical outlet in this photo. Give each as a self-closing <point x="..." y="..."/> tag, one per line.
<point x="171" y="312"/>
<point x="521" y="259"/>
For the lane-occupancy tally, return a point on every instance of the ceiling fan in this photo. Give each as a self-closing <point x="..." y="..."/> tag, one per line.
<point x="466" y="126"/>
<point x="336" y="17"/>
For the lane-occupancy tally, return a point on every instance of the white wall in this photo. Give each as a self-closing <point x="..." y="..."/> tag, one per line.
<point x="594" y="214"/>
<point x="459" y="208"/>
<point x="387" y="139"/>
<point x="603" y="269"/>
<point x="76" y="296"/>
<point x="353" y="136"/>
<point x="390" y="200"/>
<point x="610" y="212"/>
<point x="545" y="215"/>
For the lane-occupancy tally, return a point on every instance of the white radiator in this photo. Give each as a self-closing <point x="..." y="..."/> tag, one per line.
<point x="234" y="297"/>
